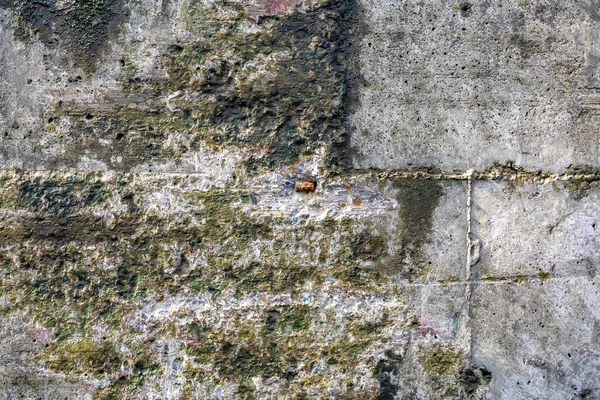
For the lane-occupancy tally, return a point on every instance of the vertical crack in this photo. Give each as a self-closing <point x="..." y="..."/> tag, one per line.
<point x="466" y="311"/>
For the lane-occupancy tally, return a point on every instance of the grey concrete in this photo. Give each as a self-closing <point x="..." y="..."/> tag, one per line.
<point x="461" y="85"/>
<point x="539" y="339"/>
<point x="153" y="244"/>
<point x="535" y="290"/>
<point x="536" y="229"/>
<point x="446" y="240"/>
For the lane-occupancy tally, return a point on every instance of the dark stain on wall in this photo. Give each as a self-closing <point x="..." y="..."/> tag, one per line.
<point x="417" y="201"/>
<point x="82" y="27"/>
<point x="283" y="88"/>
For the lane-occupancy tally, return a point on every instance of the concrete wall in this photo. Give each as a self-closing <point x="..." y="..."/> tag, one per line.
<point x="298" y="199"/>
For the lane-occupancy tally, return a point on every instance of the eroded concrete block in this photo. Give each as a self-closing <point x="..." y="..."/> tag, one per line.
<point x="132" y="86"/>
<point x="461" y="85"/>
<point x="183" y="289"/>
<point x="182" y="222"/>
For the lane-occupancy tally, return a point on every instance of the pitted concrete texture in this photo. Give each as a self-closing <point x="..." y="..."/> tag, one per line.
<point x="459" y="85"/>
<point x="538" y="339"/>
<point x="535" y="300"/>
<point x="536" y="229"/>
<point x="183" y="290"/>
<point x="299" y="199"/>
<point x="133" y="86"/>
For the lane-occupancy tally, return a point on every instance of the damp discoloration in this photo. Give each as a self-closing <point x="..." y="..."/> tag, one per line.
<point x="274" y="86"/>
<point x="186" y="219"/>
<point x="417" y="201"/>
<point x="83" y="27"/>
<point x="158" y="239"/>
<point x="279" y="87"/>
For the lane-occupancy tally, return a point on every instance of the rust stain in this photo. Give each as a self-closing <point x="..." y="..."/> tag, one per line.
<point x="305" y="186"/>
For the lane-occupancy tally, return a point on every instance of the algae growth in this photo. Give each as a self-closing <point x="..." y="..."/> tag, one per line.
<point x="83" y="27"/>
<point x="277" y="85"/>
<point x="92" y="247"/>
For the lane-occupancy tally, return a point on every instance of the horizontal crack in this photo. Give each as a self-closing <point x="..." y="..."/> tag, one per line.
<point x="489" y="174"/>
<point x="498" y="280"/>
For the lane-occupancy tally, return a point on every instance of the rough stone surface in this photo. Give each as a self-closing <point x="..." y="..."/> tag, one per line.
<point x="174" y="290"/>
<point x="298" y="199"/>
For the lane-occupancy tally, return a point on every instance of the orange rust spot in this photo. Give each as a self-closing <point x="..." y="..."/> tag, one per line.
<point x="305" y="186"/>
<point x="356" y="202"/>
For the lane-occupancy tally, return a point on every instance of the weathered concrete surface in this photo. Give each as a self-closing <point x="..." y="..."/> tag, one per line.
<point x="163" y="287"/>
<point x="155" y="87"/>
<point x="536" y="229"/>
<point x="461" y="85"/>
<point x="535" y="304"/>
<point x="153" y="243"/>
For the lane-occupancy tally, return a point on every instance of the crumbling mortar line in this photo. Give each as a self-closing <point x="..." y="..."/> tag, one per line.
<point x="490" y="175"/>
<point x="379" y="175"/>
<point x="469" y="261"/>
<point x="501" y="280"/>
